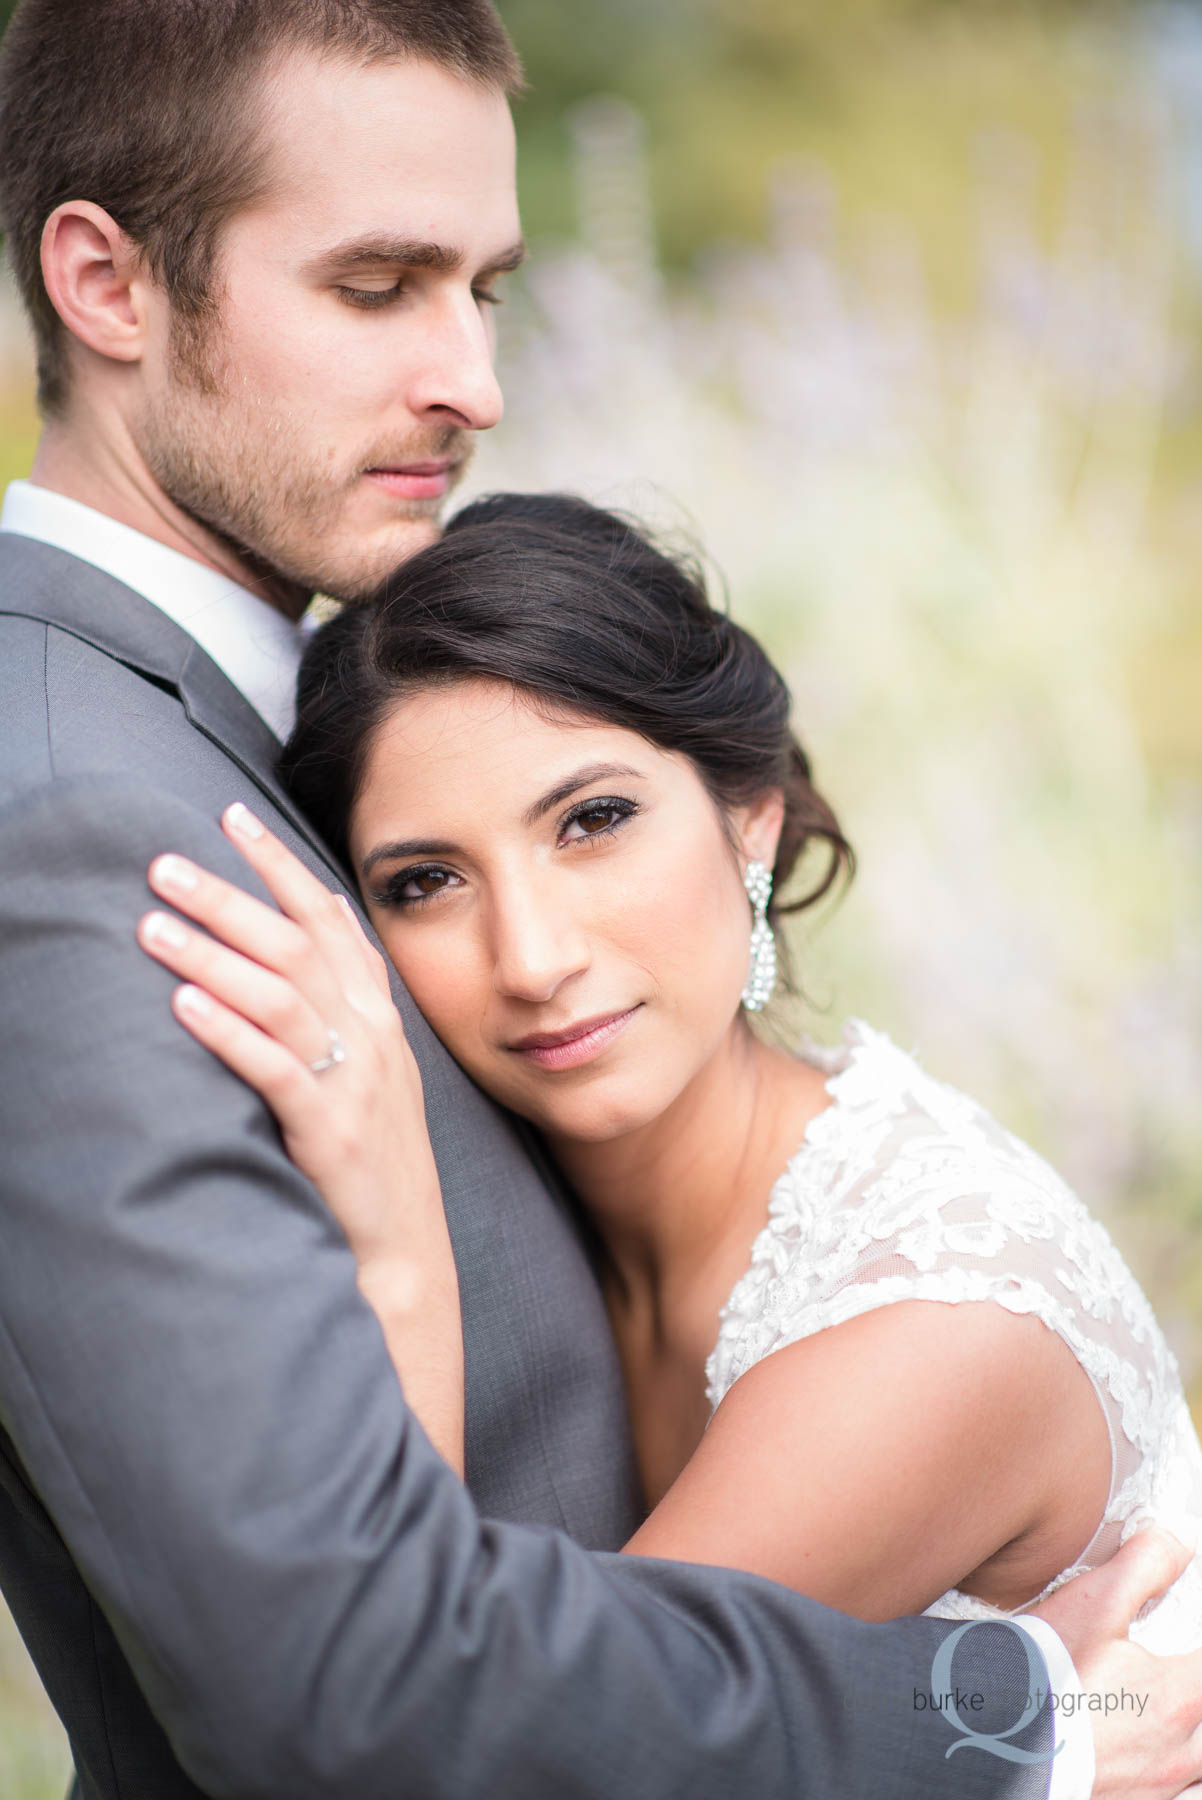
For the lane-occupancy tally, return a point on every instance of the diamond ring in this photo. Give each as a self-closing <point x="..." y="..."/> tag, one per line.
<point x="335" y="1054"/>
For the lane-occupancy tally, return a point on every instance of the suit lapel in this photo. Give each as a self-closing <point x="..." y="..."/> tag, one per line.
<point x="38" y="581"/>
<point x="217" y="709"/>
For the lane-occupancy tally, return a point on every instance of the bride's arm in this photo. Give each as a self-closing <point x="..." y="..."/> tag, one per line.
<point x="263" y="991"/>
<point x="882" y="1461"/>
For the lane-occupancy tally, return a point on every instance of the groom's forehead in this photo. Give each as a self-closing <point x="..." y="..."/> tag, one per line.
<point x="390" y="162"/>
<point x="391" y="120"/>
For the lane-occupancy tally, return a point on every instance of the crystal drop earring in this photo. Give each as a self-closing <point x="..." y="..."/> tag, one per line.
<point x="761" y="976"/>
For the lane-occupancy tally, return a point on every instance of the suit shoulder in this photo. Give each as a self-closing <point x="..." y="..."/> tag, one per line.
<point x="112" y="813"/>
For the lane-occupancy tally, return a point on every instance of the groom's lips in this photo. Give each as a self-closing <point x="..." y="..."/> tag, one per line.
<point x="416" y="481"/>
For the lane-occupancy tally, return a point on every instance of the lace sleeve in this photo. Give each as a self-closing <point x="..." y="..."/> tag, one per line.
<point x="905" y="1189"/>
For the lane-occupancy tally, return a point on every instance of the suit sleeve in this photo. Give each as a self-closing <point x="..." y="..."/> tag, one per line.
<point x="308" y="1598"/>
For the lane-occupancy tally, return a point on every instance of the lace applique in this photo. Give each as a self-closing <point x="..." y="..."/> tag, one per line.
<point x="905" y="1189"/>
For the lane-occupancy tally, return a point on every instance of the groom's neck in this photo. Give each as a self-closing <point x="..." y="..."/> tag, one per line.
<point x="103" y="470"/>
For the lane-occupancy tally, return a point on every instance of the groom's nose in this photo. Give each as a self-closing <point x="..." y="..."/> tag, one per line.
<point x="453" y="371"/>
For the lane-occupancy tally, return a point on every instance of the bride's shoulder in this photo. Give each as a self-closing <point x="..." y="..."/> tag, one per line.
<point x="895" y="1145"/>
<point x="906" y="1188"/>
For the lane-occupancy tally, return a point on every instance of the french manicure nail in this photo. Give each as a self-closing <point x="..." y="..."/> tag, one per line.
<point x="194" y="1000"/>
<point x="161" y="928"/>
<point x="174" y="872"/>
<point x="243" y="820"/>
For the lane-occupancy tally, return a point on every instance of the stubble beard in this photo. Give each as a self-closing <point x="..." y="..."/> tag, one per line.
<point x="236" y="465"/>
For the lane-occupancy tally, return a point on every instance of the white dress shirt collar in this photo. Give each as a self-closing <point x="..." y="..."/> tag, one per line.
<point x="254" y="646"/>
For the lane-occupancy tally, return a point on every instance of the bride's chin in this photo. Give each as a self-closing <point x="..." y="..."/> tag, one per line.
<point x="595" y="1119"/>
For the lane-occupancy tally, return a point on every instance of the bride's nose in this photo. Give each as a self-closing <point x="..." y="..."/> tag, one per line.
<point x="537" y="944"/>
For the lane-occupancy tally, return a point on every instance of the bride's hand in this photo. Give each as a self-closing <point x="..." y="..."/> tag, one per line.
<point x="277" y="995"/>
<point x="273" y="994"/>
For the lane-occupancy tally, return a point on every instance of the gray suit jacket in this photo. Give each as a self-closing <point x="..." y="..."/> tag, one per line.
<point x="235" y="1558"/>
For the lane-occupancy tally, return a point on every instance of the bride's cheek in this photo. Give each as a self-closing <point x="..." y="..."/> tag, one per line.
<point x="440" y="972"/>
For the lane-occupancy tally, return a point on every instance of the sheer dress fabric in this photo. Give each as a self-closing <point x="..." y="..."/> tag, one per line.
<point x="905" y="1189"/>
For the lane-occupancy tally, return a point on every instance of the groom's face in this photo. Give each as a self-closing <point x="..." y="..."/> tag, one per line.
<point x="328" y="404"/>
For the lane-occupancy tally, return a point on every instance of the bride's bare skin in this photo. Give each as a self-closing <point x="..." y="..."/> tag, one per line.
<point x="526" y="874"/>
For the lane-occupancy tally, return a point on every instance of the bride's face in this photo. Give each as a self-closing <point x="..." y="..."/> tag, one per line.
<point x="561" y="899"/>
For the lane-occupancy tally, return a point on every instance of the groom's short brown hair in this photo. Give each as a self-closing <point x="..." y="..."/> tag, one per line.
<point x="145" y="108"/>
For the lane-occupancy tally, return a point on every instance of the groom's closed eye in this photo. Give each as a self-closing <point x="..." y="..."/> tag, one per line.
<point x="388" y="257"/>
<point x="383" y="296"/>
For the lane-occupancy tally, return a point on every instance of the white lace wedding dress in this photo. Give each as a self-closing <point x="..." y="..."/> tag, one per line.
<point x="904" y="1189"/>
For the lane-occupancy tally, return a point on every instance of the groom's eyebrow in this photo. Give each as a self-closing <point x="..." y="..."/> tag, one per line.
<point x="409" y="253"/>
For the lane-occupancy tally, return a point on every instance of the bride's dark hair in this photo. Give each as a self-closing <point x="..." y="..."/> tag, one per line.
<point x="572" y="605"/>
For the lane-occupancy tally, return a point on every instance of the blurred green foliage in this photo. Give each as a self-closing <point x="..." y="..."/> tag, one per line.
<point x="895" y="89"/>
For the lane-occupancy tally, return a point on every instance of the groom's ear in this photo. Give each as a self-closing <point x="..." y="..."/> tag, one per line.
<point x="96" y="280"/>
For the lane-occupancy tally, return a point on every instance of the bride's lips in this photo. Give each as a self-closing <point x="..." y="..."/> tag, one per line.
<point x="416" y="481"/>
<point x="575" y="1044"/>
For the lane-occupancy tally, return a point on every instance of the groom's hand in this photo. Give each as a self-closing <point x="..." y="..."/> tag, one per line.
<point x="1153" y="1753"/>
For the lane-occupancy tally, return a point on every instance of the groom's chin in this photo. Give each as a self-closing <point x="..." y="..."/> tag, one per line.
<point x="361" y="588"/>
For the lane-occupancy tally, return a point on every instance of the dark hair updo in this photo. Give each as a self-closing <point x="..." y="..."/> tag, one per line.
<point x="571" y="605"/>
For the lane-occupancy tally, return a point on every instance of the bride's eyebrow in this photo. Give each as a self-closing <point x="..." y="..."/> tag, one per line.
<point x="405" y="847"/>
<point x="563" y="790"/>
<point x="571" y="784"/>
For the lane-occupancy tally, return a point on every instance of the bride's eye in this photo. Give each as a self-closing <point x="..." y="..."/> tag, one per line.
<point x="413" y="887"/>
<point x="597" y="819"/>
